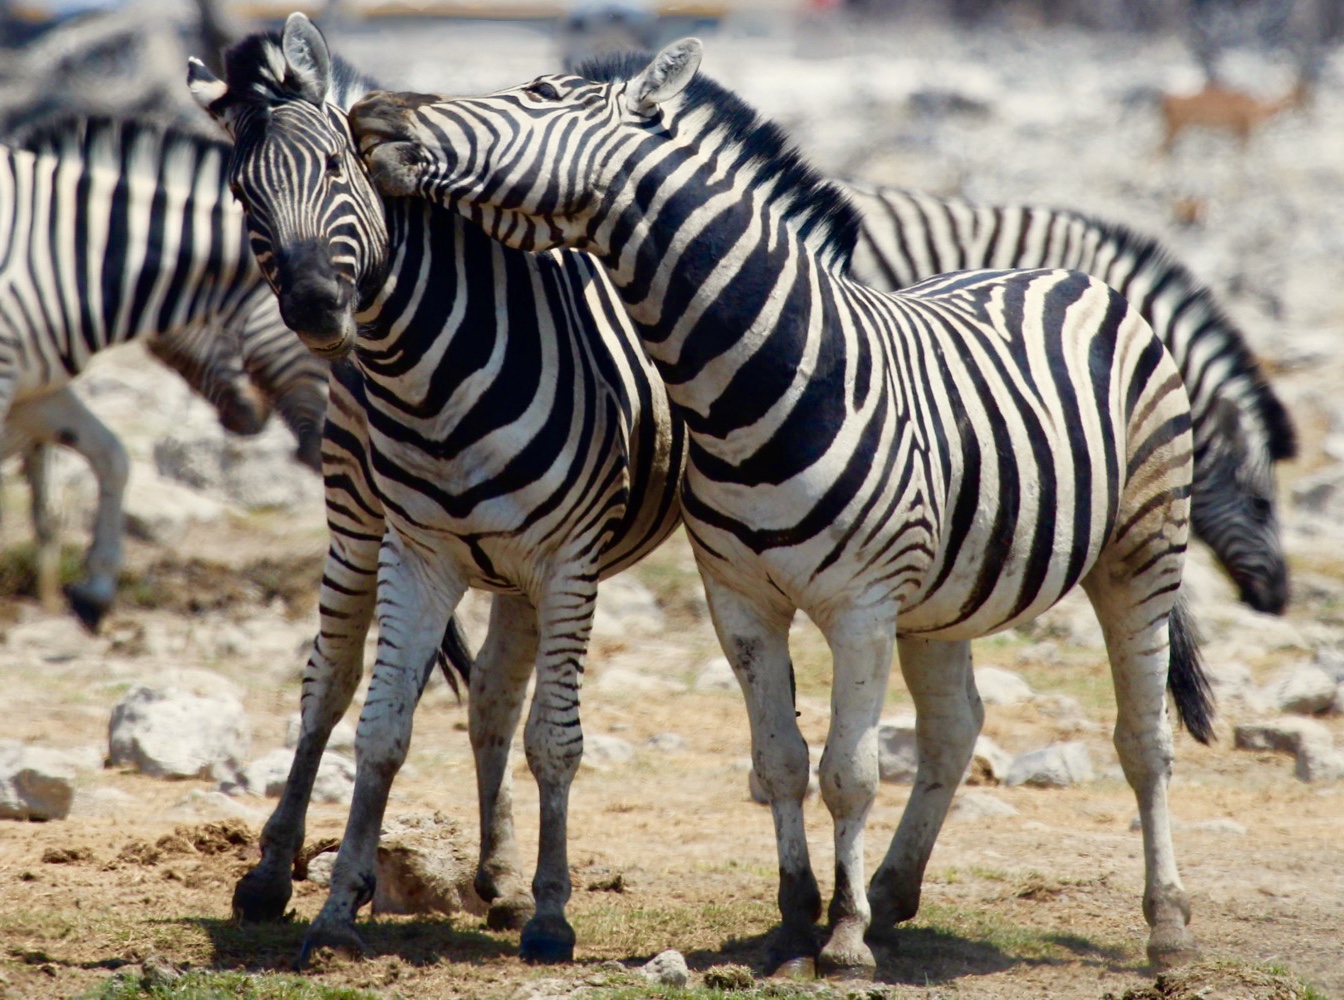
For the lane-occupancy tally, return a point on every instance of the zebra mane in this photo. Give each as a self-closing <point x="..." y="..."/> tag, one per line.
<point x="1212" y="321"/>
<point x="173" y="156"/>
<point x="255" y="71"/>
<point x="826" y="220"/>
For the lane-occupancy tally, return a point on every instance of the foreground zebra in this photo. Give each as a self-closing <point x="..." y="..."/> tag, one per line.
<point x="947" y="462"/>
<point x="516" y="439"/>
<point x="116" y="232"/>
<point x="1240" y="427"/>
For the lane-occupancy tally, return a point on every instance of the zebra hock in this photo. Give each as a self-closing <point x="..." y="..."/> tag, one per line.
<point x="1241" y="428"/>
<point x="116" y="234"/>
<point x="911" y="470"/>
<point x="500" y="428"/>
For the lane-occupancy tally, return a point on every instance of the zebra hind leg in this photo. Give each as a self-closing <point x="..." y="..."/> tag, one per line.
<point x="1138" y="646"/>
<point x="948" y="717"/>
<point x="498" y="684"/>
<point x="756" y="643"/>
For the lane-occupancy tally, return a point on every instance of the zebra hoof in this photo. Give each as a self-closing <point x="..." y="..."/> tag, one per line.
<point x="86" y="607"/>
<point x="845" y="956"/>
<point x="1170" y="945"/>
<point x="510" y="914"/>
<point x="547" y="941"/>
<point x="259" y="899"/>
<point x="328" y="934"/>
<point x="793" y="954"/>
<point x="802" y="968"/>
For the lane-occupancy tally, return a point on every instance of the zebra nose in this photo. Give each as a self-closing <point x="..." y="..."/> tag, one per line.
<point x="313" y="299"/>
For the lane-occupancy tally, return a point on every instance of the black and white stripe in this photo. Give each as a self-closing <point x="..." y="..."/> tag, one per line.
<point x="1241" y="429"/>
<point x="516" y="440"/>
<point x="115" y="231"/>
<point x="938" y="464"/>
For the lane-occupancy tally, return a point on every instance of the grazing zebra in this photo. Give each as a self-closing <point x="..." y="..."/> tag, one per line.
<point x="517" y="440"/>
<point x="947" y="462"/>
<point x="119" y="231"/>
<point x="1240" y="427"/>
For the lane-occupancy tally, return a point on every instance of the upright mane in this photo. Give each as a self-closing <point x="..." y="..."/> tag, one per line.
<point x="822" y="212"/>
<point x="255" y="69"/>
<point x="169" y="155"/>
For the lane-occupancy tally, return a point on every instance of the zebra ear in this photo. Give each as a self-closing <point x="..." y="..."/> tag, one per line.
<point x="204" y="85"/>
<point x="666" y="77"/>
<point x="307" y="61"/>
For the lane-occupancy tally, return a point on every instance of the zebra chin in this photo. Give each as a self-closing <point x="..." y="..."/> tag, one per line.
<point x="327" y="347"/>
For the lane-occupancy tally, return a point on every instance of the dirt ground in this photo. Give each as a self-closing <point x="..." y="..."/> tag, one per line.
<point x="667" y="851"/>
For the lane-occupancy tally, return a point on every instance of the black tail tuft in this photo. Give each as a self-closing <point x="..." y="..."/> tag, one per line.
<point x="1186" y="680"/>
<point x="453" y="652"/>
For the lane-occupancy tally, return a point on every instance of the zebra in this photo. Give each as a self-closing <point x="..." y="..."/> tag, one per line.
<point x="517" y="441"/>
<point x="121" y="231"/>
<point x="1241" y="428"/>
<point x="949" y="461"/>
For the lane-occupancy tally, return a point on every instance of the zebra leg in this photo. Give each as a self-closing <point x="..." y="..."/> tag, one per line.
<point x="1139" y="648"/>
<point x="756" y="643"/>
<point x="416" y="596"/>
<point x="553" y="739"/>
<point x="46" y="533"/>
<point x="861" y="647"/>
<point x="948" y="717"/>
<point x="498" y="683"/>
<point x="335" y="666"/>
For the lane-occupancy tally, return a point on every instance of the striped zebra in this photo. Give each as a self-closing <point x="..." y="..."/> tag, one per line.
<point x="915" y="469"/>
<point x="517" y="441"/>
<point x="1241" y="429"/>
<point x="119" y="232"/>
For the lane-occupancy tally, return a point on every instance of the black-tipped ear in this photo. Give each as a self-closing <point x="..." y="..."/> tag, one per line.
<point x="307" y="59"/>
<point x="670" y="72"/>
<point x="205" y="87"/>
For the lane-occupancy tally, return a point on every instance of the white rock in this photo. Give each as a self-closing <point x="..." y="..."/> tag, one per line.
<point x="424" y="866"/>
<point x="1307" y="690"/>
<point x="897" y="753"/>
<point x="342" y="738"/>
<point x="1286" y="735"/>
<point x="36" y="783"/>
<point x="266" y="776"/>
<point x="166" y="733"/>
<point x="1057" y="766"/>
<point x="666" y="742"/>
<point x="255" y="473"/>
<point x="160" y="510"/>
<point x="603" y="751"/>
<point x="1001" y="687"/>
<point x="100" y="801"/>
<point x="716" y="675"/>
<point x="1318" y="762"/>
<point x="989" y="763"/>
<point x="625" y="607"/>
<point x="971" y="806"/>
<point x="667" y="968"/>
<point x="201" y="803"/>
<point x="319" y="868"/>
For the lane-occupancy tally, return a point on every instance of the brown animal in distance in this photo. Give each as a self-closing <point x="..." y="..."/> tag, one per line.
<point x="1223" y="108"/>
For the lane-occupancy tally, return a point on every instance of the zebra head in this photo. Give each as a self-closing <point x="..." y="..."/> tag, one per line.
<point x="317" y="225"/>
<point x="495" y="158"/>
<point x="1232" y="508"/>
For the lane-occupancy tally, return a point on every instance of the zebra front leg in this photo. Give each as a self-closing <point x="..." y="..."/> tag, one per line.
<point x="1139" y="651"/>
<point x="416" y="595"/>
<point x="861" y="647"/>
<point x="335" y="666"/>
<point x="756" y="642"/>
<point x="46" y="530"/>
<point x="553" y="739"/>
<point x="498" y="684"/>
<point x="948" y="717"/>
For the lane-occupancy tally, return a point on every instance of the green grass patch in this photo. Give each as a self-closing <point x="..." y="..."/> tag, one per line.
<point x="220" y="986"/>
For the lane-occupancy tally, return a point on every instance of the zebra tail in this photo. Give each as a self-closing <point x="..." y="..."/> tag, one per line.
<point x="453" y="652"/>
<point x="1186" y="679"/>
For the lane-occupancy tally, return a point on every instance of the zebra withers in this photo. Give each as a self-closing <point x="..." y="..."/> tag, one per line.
<point x="934" y="465"/>
<point x="119" y="231"/>
<point x="516" y="440"/>
<point x="1241" y="428"/>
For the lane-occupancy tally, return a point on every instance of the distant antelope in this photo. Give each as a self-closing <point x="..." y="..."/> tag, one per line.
<point x="1225" y="108"/>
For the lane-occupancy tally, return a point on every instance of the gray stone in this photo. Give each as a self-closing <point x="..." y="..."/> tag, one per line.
<point x="716" y="675"/>
<point x="1319" y="762"/>
<point x="266" y="776"/>
<point x="625" y="607"/>
<point x="989" y="763"/>
<point x="1057" y="766"/>
<point x="602" y="751"/>
<point x="166" y="733"/>
<point x="971" y="806"/>
<point x="667" y="968"/>
<point x="1307" y="690"/>
<point x="159" y="510"/>
<point x="897" y="753"/>
<point x="342" y="738"/>
<point x="1001" y="687"/>
<point x="424" y="866"/>
<point x="36" y="783"/>
<point x="666" y="742"/>
<point x="1286" y="735"/>
<point x="256" y="473"/>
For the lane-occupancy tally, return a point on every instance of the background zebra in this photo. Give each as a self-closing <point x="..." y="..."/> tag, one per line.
<point x="120" y="231"/>
<point x="515" y="439"/>
<point x="1241" y="428"/>
<point x="952" y="460"/>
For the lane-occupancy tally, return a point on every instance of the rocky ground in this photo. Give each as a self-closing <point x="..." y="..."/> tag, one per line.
<point x="1032" y="891"/>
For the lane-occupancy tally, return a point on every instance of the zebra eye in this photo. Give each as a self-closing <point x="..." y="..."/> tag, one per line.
<point x="543" y="90"/>
<point x="335" y="166"/>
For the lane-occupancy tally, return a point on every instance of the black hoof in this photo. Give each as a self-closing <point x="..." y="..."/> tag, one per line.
<point x="547" y="941"/>
<point x="342" y="937"/>
<point x="88" y="610"/>
<point x="510" y="914"/>
<point x="260" y="900"/>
